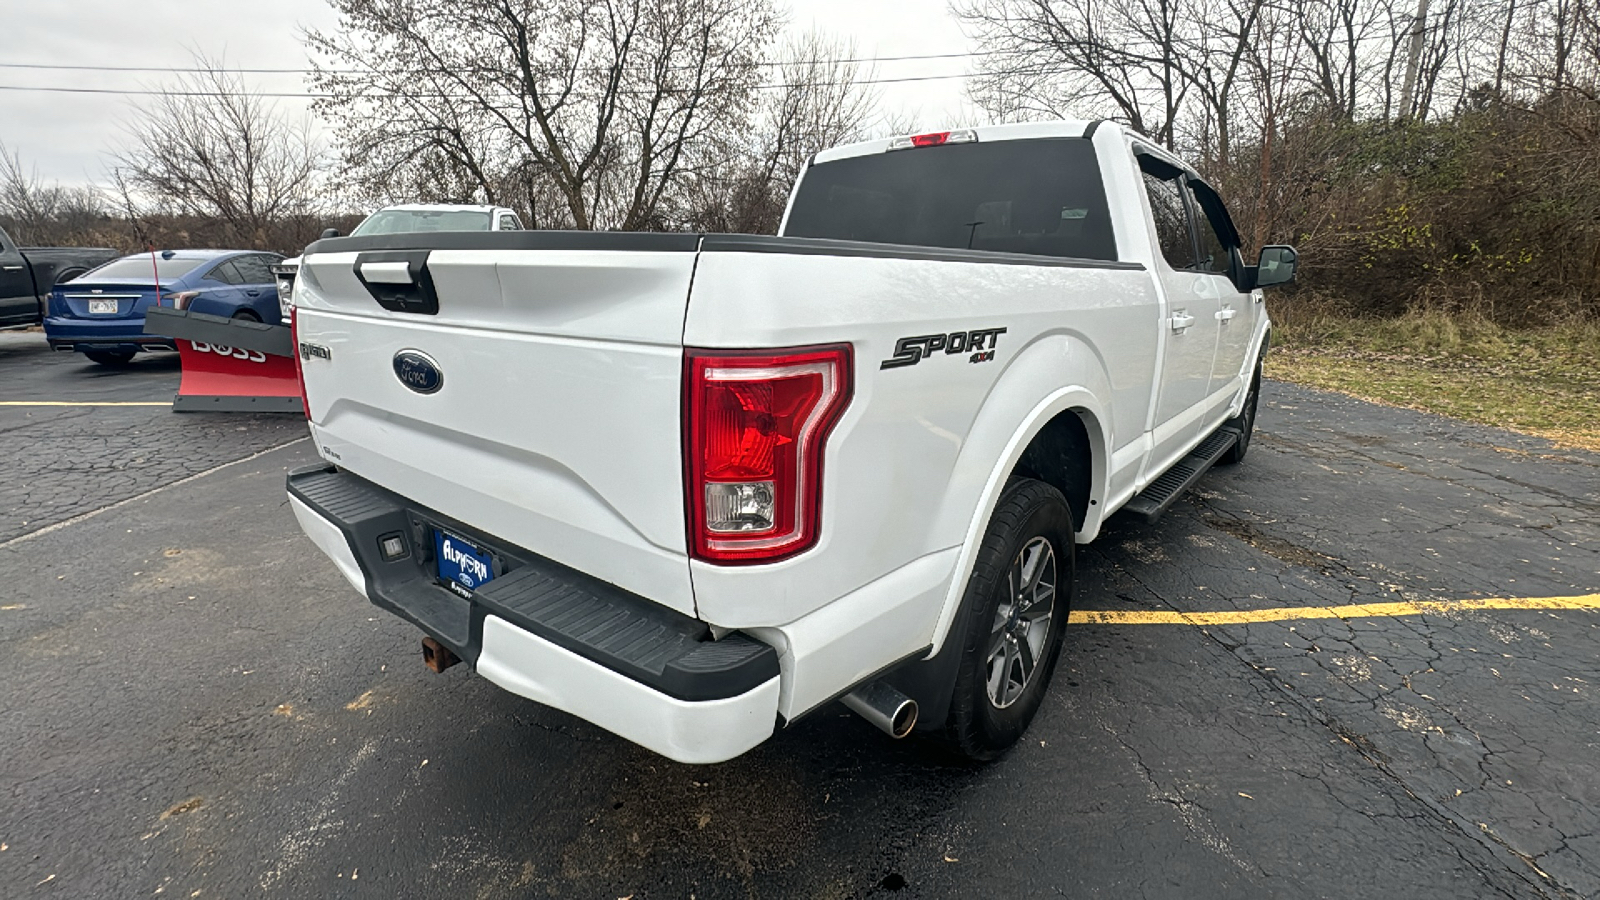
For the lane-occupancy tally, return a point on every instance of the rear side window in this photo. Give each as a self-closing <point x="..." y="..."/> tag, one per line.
<point x="254" y="269"/>
<point x="1171" y="218"/>
<point x="1043" y="197"/>
<point x="225" y="273"/>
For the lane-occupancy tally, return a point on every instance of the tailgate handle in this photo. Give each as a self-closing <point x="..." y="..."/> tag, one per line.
<point x="399" y="280"/>
<point x="387" y="272"/>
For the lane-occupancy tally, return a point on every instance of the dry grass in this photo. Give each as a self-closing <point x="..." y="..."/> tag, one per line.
<point x="1544" y="381"/>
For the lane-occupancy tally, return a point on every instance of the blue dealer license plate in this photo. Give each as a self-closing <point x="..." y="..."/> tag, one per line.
<point x="460" y="563"/>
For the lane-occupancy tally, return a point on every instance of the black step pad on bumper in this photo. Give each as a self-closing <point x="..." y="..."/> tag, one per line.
<point x="1165" y="490"/>
<point x="601" y="622"/>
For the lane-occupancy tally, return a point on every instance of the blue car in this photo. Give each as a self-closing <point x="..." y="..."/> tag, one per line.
<point x="101" y="313"/>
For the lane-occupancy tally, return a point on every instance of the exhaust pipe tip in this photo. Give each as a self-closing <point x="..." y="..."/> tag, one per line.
<point x="885" y="706"/>
<point x="437" y="656"/>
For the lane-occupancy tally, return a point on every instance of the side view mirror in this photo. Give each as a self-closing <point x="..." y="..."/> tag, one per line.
<point x="334" y="232"/>
<point x="1276" y="266"/>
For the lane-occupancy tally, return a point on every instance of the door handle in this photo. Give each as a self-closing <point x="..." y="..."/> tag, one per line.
<point x="1180" y="321"/>
<point x="1225" y="314"/>
<point x="11" y="268"/>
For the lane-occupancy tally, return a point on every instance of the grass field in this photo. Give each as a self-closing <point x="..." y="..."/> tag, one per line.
<point x="1543" y="381"/>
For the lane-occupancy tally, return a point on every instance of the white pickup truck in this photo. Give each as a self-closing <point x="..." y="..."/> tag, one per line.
<point x="691" y="487"/>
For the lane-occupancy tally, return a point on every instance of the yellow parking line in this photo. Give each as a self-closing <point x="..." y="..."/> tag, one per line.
<point x="85" y="403"/>
<point x="1351" y="611"/>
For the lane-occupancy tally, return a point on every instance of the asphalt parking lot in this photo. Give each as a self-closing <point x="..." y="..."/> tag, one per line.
<point x="195" y="704"/>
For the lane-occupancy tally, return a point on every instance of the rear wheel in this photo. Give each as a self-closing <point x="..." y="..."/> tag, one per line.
<point x="247" y="315"/>
<point x="1018" y="600"/>
<point x="110" y="357"/>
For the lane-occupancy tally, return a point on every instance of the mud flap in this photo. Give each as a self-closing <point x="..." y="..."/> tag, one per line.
<point x="229" y="365"/>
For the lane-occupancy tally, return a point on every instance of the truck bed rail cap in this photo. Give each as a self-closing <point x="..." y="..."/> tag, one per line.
<point x="661" y="242"/>
<point x="805" y="246"/>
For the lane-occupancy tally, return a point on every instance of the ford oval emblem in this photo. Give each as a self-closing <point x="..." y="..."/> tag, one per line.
<point x="417" y="371"/>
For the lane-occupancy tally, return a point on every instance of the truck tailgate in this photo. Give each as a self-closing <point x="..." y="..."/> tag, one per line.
<point x="555" y="424"/>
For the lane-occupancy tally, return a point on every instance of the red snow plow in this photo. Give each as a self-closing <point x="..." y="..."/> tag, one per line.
<point x="229" y="365"/>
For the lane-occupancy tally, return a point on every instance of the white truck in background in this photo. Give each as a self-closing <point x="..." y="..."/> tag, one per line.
<point x="692" y="487"/>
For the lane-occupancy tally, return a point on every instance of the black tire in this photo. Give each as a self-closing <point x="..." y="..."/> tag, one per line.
<point x="1244" y="423"/>
<point x="247" y="315"/>
<point x="986" y="717"/>
<point x="110" y="357"/>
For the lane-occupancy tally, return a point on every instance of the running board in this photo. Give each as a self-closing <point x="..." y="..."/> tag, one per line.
<point x="1154" y="500"/>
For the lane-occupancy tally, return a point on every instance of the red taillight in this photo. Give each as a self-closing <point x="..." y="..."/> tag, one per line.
<point x="299" y="373"/>
<point x="755" y="425"/>
<point x="929" y="140"/>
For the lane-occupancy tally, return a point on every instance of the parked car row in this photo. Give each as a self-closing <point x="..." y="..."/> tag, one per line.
<point x="93" y="302"/>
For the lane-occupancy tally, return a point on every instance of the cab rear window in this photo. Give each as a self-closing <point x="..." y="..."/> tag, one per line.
<point x="1043" y="197"/>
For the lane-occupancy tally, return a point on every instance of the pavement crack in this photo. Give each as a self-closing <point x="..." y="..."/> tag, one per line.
<point x="1426" y="810"/>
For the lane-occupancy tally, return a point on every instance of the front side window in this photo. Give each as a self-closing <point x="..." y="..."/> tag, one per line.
<point x="1214" y="253"/>
<point x="509" y="223"/>
<point x="1043" y="197"/>
<point x="1171" y="218"/>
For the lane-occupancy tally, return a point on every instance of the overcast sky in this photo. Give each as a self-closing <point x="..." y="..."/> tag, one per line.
<point x="69" y="136"/>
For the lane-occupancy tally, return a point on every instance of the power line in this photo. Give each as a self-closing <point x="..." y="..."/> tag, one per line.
<point x="146" y="92"/>
<point x="151" y="93"/>
<point x="179" y="70"/>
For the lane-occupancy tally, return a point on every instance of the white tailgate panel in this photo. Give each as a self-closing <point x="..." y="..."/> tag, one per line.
<point x="557" y="425"/>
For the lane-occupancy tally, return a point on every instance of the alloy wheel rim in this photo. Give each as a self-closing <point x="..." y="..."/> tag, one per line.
<point x="1021" y="623"/>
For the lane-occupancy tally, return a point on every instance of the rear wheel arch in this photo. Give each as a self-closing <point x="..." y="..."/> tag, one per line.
<point x="1066" y="417"/>
<point x="1063" y="455"/>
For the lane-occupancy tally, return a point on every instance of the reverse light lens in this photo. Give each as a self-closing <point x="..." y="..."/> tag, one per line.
<point x="182" y="301"/>
<point x="740" y="507"/>
<point x="756" y="423"/>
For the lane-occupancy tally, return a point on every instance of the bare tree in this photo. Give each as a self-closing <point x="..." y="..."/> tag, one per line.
<point x="1061" y="58"/>
<point x="814" y="96"/>
<point x="212" y="148"/>
<point x="588" y="112"/>
<point x="41" y="213"/>
<point x="821" y="100"/>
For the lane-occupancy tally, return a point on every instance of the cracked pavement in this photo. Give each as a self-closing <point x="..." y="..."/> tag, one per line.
<point x="65" y="461"/>
<point x="195" y="701"/>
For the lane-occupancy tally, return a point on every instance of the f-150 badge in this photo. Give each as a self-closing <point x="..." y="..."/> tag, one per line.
<point x="908" y="351"/>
